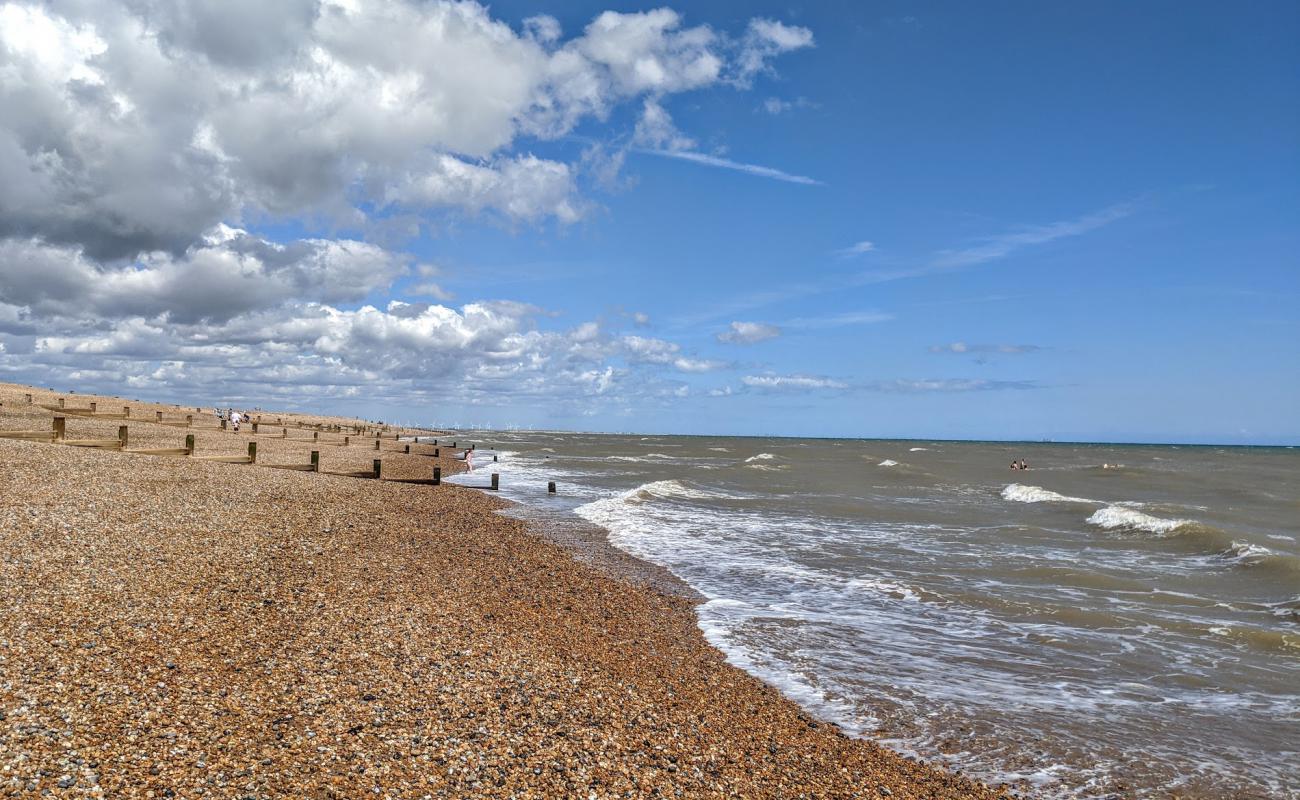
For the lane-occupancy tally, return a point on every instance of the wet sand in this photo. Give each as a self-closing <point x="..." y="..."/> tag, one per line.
<point x="181" y="628"/>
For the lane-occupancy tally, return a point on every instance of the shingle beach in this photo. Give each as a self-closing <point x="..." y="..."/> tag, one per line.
<point x="172" y="627"/>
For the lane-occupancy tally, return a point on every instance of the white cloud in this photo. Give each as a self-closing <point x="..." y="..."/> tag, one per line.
<point x="139" y="141"/>
<point x="791" y="382"/>
<point x="1000" y="246"/>
<point x="1005" y="349"/>
<point x="748" y="333"/>
<point x="655" y="129"/>
<point x="856" y="249"/>
<point x="777" y="106"/>
<point x="726" y="163"/>
<point x="129" y="127"/>
<point x="766" y="38"/>
<point x="844" y="319"/>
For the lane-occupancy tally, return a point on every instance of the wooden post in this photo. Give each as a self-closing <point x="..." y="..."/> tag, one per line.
<point x="284" y="433"/>
<point x="396" y="436"/>
<point x="453" y="445"/>
<point x="417" y="440"/>
<point x="378" y="475"/>
<point x="60" y="428"/>
<point x="550" y="487"/>
<point x="126" y="411"/>
<point x="435" y="441"/>
<point x="315" y="461"/>
<point x="121" y="435"/>
<point x="189" y="420"/>
<point x="254" y="427"/>
<point x="252" y="452"/>
<point x="93" y="406"/>
<point x="315" y="436"/>
<point x="494" y="458"/>
<point x="496" y="481"/>
<point x="376" y="444"/>
<point x="158" y="417"/>
<point x="29" y="397"/>
<point x="347" y="440"/>
<point x="437" y="452"/>
<point x="437" y="476"/>
<point x="408" y="450"/>
<point x="189" y="444"/>
<point x="60" y="402"/>
<point x="223" y="424"/>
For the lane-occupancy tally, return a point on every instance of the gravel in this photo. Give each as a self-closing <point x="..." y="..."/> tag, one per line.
<point x="179" y="628"/>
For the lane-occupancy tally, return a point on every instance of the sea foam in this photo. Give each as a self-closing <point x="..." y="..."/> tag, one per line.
<point x="1023" y="493"/>
<point x="1117" y="517"/>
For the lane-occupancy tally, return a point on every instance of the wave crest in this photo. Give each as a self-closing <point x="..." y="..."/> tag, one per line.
<point x="1118" y="517"/>
<point x="1024" y="493"/>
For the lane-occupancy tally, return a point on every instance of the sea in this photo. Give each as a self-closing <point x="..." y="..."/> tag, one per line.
<point x="1113" y="621"/>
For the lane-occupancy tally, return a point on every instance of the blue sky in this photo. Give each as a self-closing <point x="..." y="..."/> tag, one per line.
<point x="1007" y="220"/>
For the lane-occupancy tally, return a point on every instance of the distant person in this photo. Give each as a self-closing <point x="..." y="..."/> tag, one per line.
<point x="235" y="419"/>
<point x="1023" y="465"/>
<point x="1014" y="464"/>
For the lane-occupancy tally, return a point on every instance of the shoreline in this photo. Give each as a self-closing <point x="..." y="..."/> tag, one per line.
<point x="189" y="628"/>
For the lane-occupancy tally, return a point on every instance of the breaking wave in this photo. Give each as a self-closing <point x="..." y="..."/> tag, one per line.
<point x="1022" y="493"/>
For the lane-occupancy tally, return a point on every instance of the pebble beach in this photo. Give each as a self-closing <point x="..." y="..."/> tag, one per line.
<point x="173" y="627"/>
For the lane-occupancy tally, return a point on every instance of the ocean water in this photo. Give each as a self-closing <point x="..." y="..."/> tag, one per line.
<point x="1115" y="621"/>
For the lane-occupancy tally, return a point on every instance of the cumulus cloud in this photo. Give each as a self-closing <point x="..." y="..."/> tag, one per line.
<point x="143" y="141"/>
<point x="131" y="127"/>
<point x="748" y="333"/>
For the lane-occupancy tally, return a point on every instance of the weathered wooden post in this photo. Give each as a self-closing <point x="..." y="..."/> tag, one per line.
<point x="435" y="441"/>
<point x="437" y="452"/>
<point x="126" y="411"/>
<point x="315" y="461"/>
<point x="378" y="475"/>
<point x="347" y="440"/>
<point x="417" y="440"/>
<point x="121" y="436"/>
<point x="284" y="433"/>
<point x="494" y="458"/>
<point x="93" y="406"/>
<point x="29" y="398"/>
<point x="496" y="481"/>
<point x="189" y="444"/>
<point x="60" y="428"/>
<point x="158" y="417"/>
<point x="315" y="436"/>
<point x="223" y="424"/>
<point x="453" y="445"/>
<point x="396" y="436"/>
<point x="189" y="420"/>
<point x="254" y="427"/>
<point x="376" y="444"/>
<point x="252" y="452"/>
<point x="408" y="450"/>
<point x="550" y="487"/>
<point x="437" y="476"/>
<point x="60" y="402"/>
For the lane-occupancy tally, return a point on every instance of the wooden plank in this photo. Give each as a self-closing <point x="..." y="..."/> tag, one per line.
<point x="160" y="451"/>
<point x="29" y="435"/>
<point x="115" y="444"/>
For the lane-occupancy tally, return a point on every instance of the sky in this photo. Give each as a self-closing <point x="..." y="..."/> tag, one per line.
<point x="1006" y="220"/>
